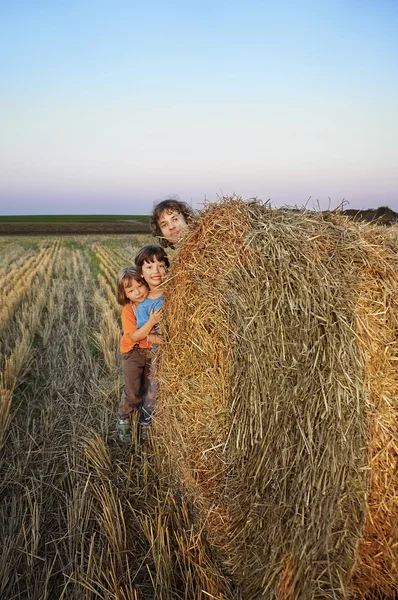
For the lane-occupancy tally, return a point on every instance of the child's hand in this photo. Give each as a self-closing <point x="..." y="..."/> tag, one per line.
<point x="155" y="338"/>
<point x="156" y="316"/>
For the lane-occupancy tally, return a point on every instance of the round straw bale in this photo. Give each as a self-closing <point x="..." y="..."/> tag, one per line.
<point x="277" y="413"/>
<point x="377" y="326"/>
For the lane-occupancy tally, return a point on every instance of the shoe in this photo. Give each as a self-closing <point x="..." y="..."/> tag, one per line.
<point x="123" y="430"/>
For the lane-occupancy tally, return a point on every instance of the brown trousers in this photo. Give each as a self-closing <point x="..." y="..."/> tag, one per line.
<point x="136" y="365"/>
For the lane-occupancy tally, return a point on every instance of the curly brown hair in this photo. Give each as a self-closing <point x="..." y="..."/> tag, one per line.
<point x="173" y="206"/>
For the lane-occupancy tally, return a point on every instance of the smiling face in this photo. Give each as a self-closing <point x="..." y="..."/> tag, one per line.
<point x="154" y="272"/>
<point x="172" y="224"/>
<point x="135" y="291"/>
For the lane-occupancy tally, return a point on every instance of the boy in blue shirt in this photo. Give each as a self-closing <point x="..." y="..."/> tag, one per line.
<point x="152" y="264"/>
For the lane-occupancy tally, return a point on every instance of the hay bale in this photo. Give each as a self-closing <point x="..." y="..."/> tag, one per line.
<point x="377" y="326"/>
<point x="278" y="400"/>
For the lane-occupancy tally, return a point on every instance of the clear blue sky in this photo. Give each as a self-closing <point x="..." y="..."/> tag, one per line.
<point x="106" y="107"/>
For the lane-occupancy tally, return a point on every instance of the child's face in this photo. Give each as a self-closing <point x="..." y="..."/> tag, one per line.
<point x="135" y="291"/>
<point x="172" y="225"/>
<point x="154" y="272"/>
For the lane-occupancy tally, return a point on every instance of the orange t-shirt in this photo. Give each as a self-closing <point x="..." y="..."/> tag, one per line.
<point x="129" y="325"/>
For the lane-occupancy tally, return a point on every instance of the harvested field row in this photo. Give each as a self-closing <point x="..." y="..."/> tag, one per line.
<point x="24" y="263"/>
<point x="14" y="256"/>
<point x="70" y="522"/>
<point x="18" y="339"/>
<point x="17" y="283"/>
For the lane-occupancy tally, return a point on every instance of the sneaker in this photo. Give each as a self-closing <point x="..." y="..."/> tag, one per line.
<point x="123" y="430"/>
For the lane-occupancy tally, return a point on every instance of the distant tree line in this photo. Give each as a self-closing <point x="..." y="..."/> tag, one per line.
<point x="383" y="215"/>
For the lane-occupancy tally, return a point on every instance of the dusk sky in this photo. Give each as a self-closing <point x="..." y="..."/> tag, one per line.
<point x="107" y="107"/>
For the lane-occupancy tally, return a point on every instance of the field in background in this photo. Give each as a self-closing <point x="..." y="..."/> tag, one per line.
<point x="73" y="224"/>
<point x="76" y="517"/>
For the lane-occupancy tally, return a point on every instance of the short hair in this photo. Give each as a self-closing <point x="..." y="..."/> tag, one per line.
<point x="148" y="253"/>
<point x="172" y="205"/>
<point x="124" y="279"/>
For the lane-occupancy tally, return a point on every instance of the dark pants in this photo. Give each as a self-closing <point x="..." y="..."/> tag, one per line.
<point x="148" y="404"/>
<point x="136" y="365"/>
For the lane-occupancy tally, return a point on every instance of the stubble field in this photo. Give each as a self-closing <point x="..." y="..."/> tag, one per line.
<point x="83" y="518"/>
<point x="77" y="510"/>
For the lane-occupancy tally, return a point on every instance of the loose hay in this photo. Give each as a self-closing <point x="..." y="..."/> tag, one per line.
<point x="278" y="402"/>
